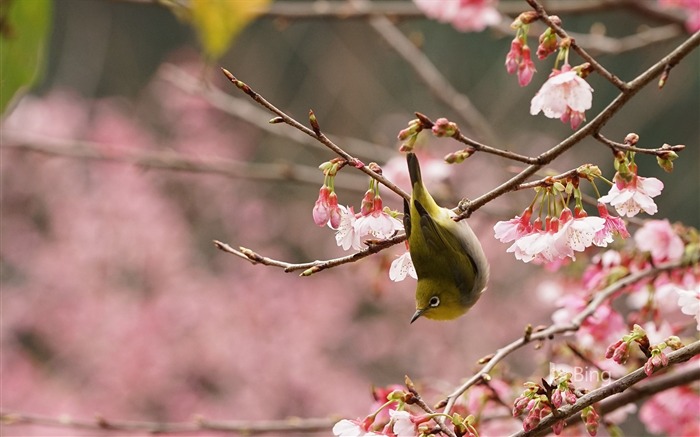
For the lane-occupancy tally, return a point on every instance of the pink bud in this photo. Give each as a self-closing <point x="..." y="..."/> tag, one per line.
<point x="526" y="68"/>
<point x="334" y="210"/>
<point x="320" y="211"/>
<point x="513" y="56"/>
<point x="557" y="399"/>
<point x="611" y="349"/>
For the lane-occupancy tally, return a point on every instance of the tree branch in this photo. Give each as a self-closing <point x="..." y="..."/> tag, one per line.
<point x="373" y="246"/>
<point x="619" y="386"/>
<point x="591" y="128"/>
<point x="551" y="331"/>
<point x="314" y="133"/>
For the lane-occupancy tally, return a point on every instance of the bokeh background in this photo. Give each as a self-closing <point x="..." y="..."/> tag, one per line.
<point x="115" y="301"/>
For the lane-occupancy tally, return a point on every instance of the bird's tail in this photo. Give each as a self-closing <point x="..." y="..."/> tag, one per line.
<point x="413" y="169"/>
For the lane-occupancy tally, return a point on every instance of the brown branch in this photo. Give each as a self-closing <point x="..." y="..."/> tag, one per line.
<point x="314" y="133"/>
<point x="309" y="268"/>
<point x="551" y="331"/>
<point x="619" y="386"/>
<point x="247" y="111"/>
<point x="293" y="425"/>
<point x="591" y="128"/>
<point x="544" y="16"/>
<point x="428" y="124"/>
<point x="626" y="147"/>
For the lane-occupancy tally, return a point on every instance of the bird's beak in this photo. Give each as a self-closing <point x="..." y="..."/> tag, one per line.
<point x="417" y="314"/>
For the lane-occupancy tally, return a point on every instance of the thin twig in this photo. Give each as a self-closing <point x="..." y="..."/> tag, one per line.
<point x="626" y="147"/>
<point x="597" y="66"/>
<point x="314" y="133"/>
<point x="428" y="123"/>
<point x="591" y="128"/>
<point x="247" y="111"/>
<point x="309" y="268"/>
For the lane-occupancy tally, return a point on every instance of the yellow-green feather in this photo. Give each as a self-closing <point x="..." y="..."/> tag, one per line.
<point x="440" y="249"/>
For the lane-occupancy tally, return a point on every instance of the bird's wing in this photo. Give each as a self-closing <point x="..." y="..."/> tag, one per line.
<point x="407" y="218"/>
<point x="447" y="249"/>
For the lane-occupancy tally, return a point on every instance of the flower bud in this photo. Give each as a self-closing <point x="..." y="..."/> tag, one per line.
<point x="632" y="139"/>
<point x="444" y="128"/>
<point x="459" y="156"/>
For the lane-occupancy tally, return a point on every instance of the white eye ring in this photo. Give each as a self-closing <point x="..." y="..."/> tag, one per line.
<point x="434" y="301"/>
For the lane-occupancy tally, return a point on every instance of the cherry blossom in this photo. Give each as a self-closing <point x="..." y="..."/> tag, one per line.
<point x="519" y="60"/>
<point x="326" y="210"/>
<point x="631" y="197"/>
<point x="402" y="266"/>
<point x="580" y="231"/>
<point x="404" y="424"/>
<point x="672" y="412"/>
<point x="377" y="222"/>
<point x="511" y="230"/>
<point x="464" y="15"/>
<point x="346" y="236"/>
<point x="565" y="95"/>
<point x="658" y="238"/>
<point x="689" y="301"/>
<point x="611" y="226"/>
<point x="352" y="428"/>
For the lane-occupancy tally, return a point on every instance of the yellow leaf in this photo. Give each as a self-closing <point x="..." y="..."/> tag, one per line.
<point x="218" y="21"/>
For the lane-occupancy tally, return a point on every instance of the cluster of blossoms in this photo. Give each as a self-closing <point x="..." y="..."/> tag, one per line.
<point x="559" y="236"/>
<point x="620" y="350"/>
<point x="390" y="417"/>
<point x="539" y="401"/>
<point x="565" y="95"/>
<point x="373" y="220"/>
<point x="556" y="237"/>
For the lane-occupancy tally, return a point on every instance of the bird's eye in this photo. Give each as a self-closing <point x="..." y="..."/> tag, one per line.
<point x="434" y="301"/>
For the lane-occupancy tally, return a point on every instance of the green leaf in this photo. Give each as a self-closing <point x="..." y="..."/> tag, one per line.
<point x="24" y="29"/>
<point x="218" y="22"/>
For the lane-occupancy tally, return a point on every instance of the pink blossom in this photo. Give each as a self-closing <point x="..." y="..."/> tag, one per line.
<point x="321" y="211"/>
<point x="565" y="95"/>
<point x="526" y="68"/>
<point x="629" y="198"/>
<point x="658" y="238"/>
<point x="689" y="302"/>
<point x="377" y="222"/>
<point x="514" y="56"/>
<point x="404" y="424"/>
<point x="579" y="232"/>
<point x="464" y="15"/>
<point x="511" y="230"/>
<point x="612" y="225"/>
<point x="519" y="60"/>
<point x="402" y="266"/>
<point x="675" y="412"/>
<point x="346" y="236"/>
<point x="352" y="428"/>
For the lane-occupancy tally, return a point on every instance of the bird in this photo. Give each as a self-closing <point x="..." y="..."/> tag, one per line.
<point x="449" y="261"/>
